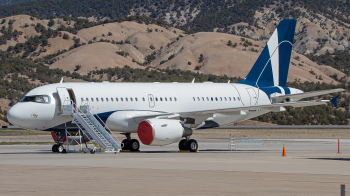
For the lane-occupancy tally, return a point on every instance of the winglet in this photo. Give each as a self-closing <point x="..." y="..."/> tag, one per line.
<point x="334" y="101"/>
<point x="61" y="80"/>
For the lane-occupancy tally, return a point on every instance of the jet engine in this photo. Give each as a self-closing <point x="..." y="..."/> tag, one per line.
<point x="159" y="132"/>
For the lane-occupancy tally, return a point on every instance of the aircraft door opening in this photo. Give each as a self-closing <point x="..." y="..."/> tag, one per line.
<point x="151" y="100"/>
<point x="253" y="97"/>
<point x="65" y="99"/>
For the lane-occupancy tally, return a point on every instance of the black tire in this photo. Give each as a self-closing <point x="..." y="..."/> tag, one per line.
<point x="133" y="145"/>
<point x="182" y="144"/>
<point x="192" y="145"/>
<point x="60" y="149"/>
<point x="125" y="146"/>
<point x="92" y="151"/>
<point x="54" y="148"/>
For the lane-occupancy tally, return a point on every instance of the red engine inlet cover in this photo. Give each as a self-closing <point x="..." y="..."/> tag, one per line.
<point x="145" y="132"/>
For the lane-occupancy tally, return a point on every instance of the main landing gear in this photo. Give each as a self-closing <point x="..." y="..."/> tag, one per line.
<point x="58" y="148"/>
<point x="130" y="144"/>
<point x="188" y="144"/>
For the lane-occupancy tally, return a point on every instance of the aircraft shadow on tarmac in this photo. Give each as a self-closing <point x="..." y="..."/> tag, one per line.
<point x="333" y="158"/>
<point x="202" y="151"/>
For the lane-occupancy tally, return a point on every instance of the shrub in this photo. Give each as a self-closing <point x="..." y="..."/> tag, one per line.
<point x="201" y="58"/>
<point x="77" y="67"/>
<point x="65" y="36"/>
<point x="51" y="23"/>
<point x="171" y="57"/>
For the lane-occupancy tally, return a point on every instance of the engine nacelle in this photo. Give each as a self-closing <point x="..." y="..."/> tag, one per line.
<point x="159" y="132"/>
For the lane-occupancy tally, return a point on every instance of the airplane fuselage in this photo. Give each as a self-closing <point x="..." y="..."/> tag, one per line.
<point x="118" y="103"/>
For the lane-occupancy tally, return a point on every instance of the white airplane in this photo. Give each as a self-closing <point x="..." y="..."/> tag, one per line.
<point x="165" y="113"/>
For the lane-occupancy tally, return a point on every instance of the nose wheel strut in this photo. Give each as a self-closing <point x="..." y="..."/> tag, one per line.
<point x="58" y="148"/>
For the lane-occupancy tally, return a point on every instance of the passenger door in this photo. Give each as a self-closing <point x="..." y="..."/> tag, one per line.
<point x="151" y="100"/>
<point x="253" y="97"/>
<point x="66" y="105"/>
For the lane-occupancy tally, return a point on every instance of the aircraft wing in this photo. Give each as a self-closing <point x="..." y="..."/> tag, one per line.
<point x="308" y="94"/>
<point x="268" y="107"/>
<point x="140" y="118"/>
<point x="233" y="111"/>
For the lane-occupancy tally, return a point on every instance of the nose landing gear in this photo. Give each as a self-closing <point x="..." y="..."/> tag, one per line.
<point x="188" y="144"/>
<point x="58" y="148"/>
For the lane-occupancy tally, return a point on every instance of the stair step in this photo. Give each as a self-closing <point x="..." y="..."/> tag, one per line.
<point x="97" y="133"/>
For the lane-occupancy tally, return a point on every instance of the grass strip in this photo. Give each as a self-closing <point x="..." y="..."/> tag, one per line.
<point x="27" y="143"/>
<point x="24" y="132"/>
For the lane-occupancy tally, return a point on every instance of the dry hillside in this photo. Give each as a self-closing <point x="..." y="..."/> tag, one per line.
<point x="219" y="58"/>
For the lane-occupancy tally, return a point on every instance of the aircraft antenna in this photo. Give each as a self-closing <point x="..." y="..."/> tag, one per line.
<point x="61" y="80"/>
<point x="193" y="80"/>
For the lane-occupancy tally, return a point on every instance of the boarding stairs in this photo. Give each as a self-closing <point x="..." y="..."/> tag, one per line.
<point x="94" y="128"/>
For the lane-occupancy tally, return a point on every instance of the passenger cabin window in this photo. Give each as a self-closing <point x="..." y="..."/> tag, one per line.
<point x="165" y="99"/>
<point x="229" y="98"/>
<point x="36" y="99"/>
<point x="101" y="99"/>
<point x="112" y="99"/>
<point x="212" y="99"/>
<point x="92" y="99"/>
<point x="130" y="98"/>
<point x="82" y="99"/>
<point x="161" y="99"/>
<point x="156" y="99"/>
<point x="238" y="98"/>
<point x="87" y="99"/>
<point x="225" y="99"/>
<point x="198" y="99"/>
<point x="194" y="99"/>
<point x="96" y="99"/>
<point x="143" y="99"/>
<point x="175" y="99"/>
<point x="170" y="99"/>
<point x="126" y="99"/>
<point x="220" y="98"/>
<point x="135" y="98"/>
<point x="121" y="99"/>
<point x="202" y="98"/>
<point x="151" y="99"/>
<point x="234" y="99"/>
<point x="216" y="98"/>
<point x="106" y="99"/>
<point x="116" y="99"/>
<point x="207" y="99"/>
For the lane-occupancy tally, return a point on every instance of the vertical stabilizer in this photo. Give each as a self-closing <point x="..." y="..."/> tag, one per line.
<point x="271" y="68"/>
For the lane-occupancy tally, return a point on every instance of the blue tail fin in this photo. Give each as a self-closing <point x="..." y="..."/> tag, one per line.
<point x="271" y="68"/>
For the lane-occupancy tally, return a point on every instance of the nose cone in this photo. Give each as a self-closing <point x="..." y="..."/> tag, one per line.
<point x="15" y="115"/>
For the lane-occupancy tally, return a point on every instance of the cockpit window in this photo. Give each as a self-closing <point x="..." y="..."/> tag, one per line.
<point x="36" y="98"/>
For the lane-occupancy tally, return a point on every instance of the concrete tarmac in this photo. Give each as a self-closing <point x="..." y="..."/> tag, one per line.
<point x="312" y="167"/>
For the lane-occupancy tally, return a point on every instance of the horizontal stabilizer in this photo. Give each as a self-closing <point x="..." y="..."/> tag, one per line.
<point x="334" y="101"/>
<point x="307" y="94"/>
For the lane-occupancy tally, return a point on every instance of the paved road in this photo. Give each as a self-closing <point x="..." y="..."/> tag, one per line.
<point x="312" y="167"/>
